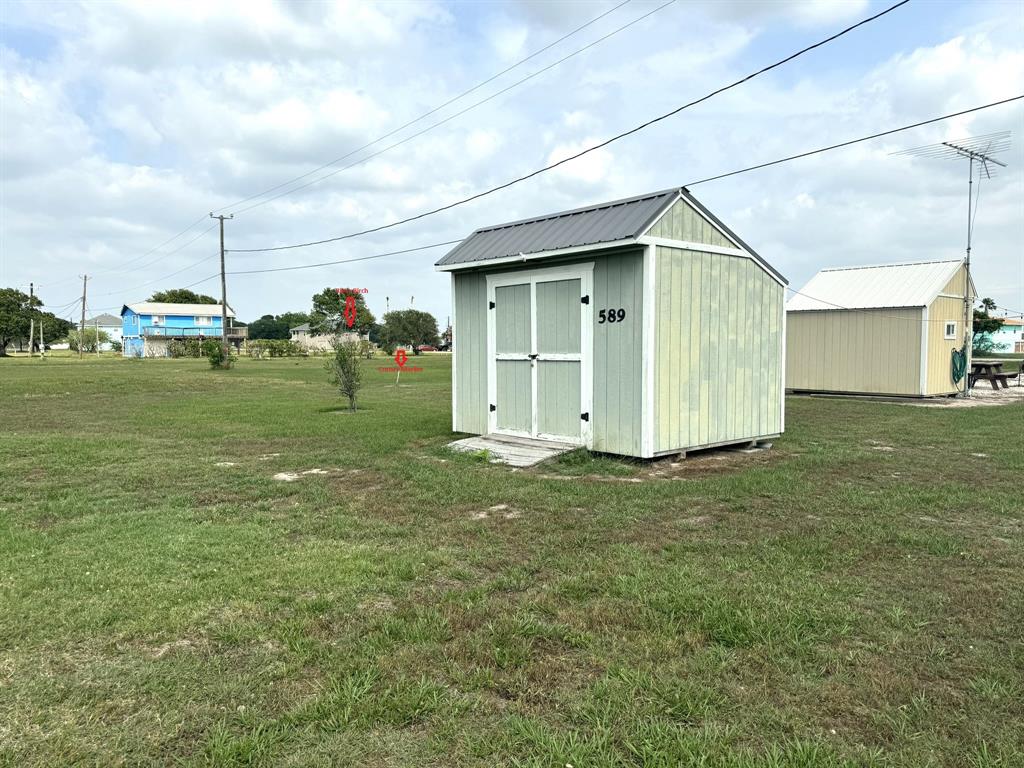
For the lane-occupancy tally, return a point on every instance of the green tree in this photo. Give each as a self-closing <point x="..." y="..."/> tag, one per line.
<point x="409" y="326"/>
<point x="984" y="326"/>
<point x="54" y="328"/>
<point x="88" y="340"/>
<point x="182" y="296"/>
<point x="345" y="371"/>
<point x="16" y="310"/>
<point x="269" y="327"/>
<point x="294" y="319"/>
<point x="328" y="315"/>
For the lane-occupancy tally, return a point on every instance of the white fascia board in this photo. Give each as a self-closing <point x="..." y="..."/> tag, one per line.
<point x="647" y="355"/>
<point x="679" y="196"/>
<point x="686" y="245"/>
<point x="525" y="257"/>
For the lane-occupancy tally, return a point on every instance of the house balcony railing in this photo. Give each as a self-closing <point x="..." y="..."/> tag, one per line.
<point x="193" y="331"/>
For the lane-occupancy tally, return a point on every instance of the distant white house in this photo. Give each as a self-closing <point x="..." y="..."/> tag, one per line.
<point x="109" y="324"/>
<point x="302" y="336"/>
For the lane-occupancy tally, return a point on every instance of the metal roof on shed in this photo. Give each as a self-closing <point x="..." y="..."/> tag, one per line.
<point x="603" y="223"/>
<point x="887" y="285"/>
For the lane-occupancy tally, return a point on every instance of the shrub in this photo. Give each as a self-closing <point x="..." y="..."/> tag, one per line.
<point x="214" y="351"/>
<point x="260" y="348"/>
<point x="345" y="371"/>
<point x="116" y="346"/>
<point x="186" y="348"/>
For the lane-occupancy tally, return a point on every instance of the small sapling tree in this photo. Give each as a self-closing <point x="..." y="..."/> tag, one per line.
<point x="344" y="369"/>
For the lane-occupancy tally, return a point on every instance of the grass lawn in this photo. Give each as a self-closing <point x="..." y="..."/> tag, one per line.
<point x="853" y="597"/>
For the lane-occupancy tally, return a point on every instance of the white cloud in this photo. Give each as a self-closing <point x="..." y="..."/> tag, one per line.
<point x="143" y="117"/>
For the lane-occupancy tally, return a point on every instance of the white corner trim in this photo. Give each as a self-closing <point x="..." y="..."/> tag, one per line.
<point x="527" y="257"/>
<point x="647" y="355"/>
<point x="924" y="351"/>
<point x="455" y="378"/>
<point x="782" y="369"/>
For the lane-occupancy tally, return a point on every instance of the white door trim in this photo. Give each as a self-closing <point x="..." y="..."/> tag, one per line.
<point x="585" y="274"/>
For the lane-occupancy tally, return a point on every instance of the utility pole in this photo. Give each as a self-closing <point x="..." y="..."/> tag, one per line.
<point x="32" y="318"/>
<point x="223" y="290"/>
<point x="81" y="326"/>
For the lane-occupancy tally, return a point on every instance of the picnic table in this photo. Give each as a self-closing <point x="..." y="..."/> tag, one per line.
<point x="989" y="370"/>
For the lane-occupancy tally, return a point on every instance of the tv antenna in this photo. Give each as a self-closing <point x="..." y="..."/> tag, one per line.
<point x="980" y="151"/>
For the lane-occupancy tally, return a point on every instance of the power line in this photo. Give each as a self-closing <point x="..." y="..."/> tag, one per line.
<point x="345" y="261"/>
<point x="394" y="131"/>
<point x="605" y="143"/>
<point x="427" y="114"/>
<point x="450" y="117"/>
<point x="855" y="141"/>
<point x="689" y="184"/>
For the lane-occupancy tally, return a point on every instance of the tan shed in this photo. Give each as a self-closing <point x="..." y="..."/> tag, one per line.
<point x="879" y="330"/>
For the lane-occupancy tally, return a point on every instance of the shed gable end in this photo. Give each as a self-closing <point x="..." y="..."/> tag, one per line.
<point x="682" y="222"/>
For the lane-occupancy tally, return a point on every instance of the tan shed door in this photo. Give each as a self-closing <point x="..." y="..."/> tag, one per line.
<point x="540" y="381"/>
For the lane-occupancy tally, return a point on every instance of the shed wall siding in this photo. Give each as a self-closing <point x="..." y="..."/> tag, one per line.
<point x="940" y="349"/>
<point x="858" y="351"/>
<point x="718" y="342"/>
<point x="470" y="353"/>
<point x="616" y="416"/>
<point x="682" y="222"/>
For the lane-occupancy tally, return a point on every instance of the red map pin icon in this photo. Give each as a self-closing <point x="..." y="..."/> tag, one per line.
<point x="401" y="357"/>
<point x="350" y="310"/>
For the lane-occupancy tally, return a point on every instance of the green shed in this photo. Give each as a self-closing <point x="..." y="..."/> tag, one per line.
<point x="640" y="327"/>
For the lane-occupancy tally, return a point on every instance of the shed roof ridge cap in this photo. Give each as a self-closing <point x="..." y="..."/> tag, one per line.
<point x="583" y="209"/>
<point x="895" y="264"/>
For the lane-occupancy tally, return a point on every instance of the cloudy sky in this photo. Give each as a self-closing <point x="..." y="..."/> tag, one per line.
<point x="123" y="123"/>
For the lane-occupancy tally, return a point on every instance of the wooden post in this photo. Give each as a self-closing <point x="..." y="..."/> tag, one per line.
<point x="32" y="318"/>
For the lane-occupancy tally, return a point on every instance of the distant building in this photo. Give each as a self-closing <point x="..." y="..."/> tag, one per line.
<point x="1009" y="338"/>
<point x="109" y="324"/>
<point x="888" y="329"/>
<point x="303" y="336"/>
<point x="148" y="328"/>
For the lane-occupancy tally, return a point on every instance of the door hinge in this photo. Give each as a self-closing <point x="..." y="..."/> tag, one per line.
<point x="585" y="416"/>
<point x="584" y="299"/>
<point x="490" y="305"/>
<point x="493" y="407"/>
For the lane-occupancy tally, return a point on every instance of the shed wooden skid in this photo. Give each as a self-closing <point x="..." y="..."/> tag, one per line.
<point x="641" y="327"/>
<point x="886" y="330"/>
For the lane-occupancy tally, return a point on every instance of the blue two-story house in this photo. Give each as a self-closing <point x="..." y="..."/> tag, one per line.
<point x="148" y="328"/>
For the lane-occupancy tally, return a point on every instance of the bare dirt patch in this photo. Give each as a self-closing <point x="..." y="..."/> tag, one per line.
<point x="980" y="396"/>
<point x="498" y="510"/>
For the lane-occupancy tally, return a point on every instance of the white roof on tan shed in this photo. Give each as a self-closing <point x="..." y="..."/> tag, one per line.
<point x="163" y="308"/>
<point x="885" y="285"/>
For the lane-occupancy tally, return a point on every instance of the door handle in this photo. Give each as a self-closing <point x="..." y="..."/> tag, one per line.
<point x="533" y="356"/>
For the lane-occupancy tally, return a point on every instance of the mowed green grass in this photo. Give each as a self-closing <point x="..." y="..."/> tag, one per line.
<point x="855" y="596"/>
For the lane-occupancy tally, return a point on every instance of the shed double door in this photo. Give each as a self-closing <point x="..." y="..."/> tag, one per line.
<point x="539" y="353"/>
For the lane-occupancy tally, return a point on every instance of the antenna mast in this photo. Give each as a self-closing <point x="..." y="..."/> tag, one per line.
<point x="980" y="150"/>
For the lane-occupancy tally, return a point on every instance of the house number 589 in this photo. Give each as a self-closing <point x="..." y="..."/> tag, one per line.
<point x="611" y="316"/>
